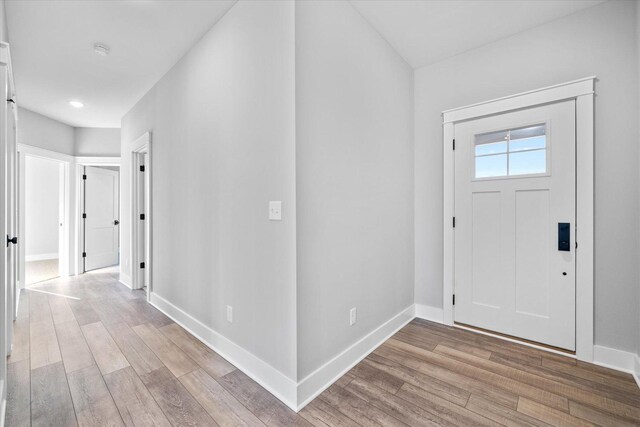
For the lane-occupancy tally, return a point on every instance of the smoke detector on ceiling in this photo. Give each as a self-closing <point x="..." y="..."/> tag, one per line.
<point x="101" y="49"/>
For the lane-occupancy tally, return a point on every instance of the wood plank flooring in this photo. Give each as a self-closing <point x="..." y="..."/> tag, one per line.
<point x="90" y="352"/>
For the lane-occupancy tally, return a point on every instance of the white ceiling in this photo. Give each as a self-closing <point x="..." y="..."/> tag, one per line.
<point x="52" y="43"/>
<point x="53" y="59"/>
<point x="425" y="32"/>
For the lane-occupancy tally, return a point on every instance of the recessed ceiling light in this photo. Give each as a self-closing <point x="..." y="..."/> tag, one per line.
<point x="76" y="104"/>
<point x="101" y="49"/>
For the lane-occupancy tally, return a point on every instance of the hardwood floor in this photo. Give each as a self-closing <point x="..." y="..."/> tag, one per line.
<point x="88" y="351"/>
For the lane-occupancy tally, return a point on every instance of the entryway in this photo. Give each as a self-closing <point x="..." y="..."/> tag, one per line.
<point x="518" y="203"/>
<point x="44" y="214"/>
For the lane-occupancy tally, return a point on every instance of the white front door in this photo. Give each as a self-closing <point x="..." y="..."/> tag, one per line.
<point x="514" y="229"/>
<point x="102" y="218"/>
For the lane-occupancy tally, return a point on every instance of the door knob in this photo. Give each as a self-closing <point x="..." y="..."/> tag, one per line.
<point x="116" y="222"/>
<point x="12" y="240"/>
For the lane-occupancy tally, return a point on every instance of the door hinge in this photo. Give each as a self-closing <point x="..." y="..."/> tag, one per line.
<point x="142" y="216"/>
<point x="84" y="216"/>
<point x="142" y="265"/>
<point x="141" y="168"/>
<point x="84" y="254"/>
<point x="84" y="176"/>
<point x="454" y="299"/>
<point x="454" y="222"/>
<point x="454" y="144"/>
<point x="576" y="245"/>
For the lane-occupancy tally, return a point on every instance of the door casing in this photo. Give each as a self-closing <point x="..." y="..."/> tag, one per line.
<point x="582" y="91"/>
<point x="141" y="230"/>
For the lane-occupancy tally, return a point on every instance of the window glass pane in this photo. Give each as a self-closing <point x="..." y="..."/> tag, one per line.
<point x="491" y="148"/>
<point x="528" y="162"/>
<point x="528" y="132"/>
<point x="535" y="142"/>
<point x="486" y="138"/>
<point x="488" y="166"/>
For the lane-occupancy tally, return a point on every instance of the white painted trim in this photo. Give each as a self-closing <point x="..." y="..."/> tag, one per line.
<point x="319" y="380"/>
<point x="45" y="154"/>
<point x="142" y="145"/>
<point x="427" y="312"/>
<point x="41" y="257"/>
<point x="274" y="381"/>
<point x="123" y="283"/>
<point x="582" y="91"/>
<point x="294" y="395"/>
<point x="636" y="369"/>
<point x="555" y="93"/>
<point x="98" y="161"/>
<point x="448" y="243"/>
<point x="125" y="279"/>
<point x="585" y="226"/>
<point x="3" y="412"/>
<point x="612" y="358"/>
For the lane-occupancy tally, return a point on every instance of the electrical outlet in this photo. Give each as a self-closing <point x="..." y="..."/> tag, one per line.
<point x="275" y="211"/>
<point x="229" y="314"/>
<point x="353" y="316"/>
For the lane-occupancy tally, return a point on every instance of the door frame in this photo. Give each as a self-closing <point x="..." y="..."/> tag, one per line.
<point x="64" y="241"/>
<point x="140" y="147"/>
<point x="583" y="92"/>
<point x="80" y="163"/>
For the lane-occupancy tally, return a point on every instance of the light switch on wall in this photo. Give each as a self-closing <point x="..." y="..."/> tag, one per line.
<point x="275" y="210"/>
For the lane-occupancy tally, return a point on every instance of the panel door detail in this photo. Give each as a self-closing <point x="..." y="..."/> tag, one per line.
<point x="514" y="200"/>
<point x="101" y="223"/>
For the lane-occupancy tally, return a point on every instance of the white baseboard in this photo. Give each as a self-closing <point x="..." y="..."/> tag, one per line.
<point x="3" y="412"/>
<point x="125" y="280"/>
<point x="277" y="383"/>
<point x="41" y="257"/>
<point x="636" y="369"/>
<point x="297" y="395"/>
<point x="615" y="359"/>
<point x="428" y="312"/>
<point x="294" y="395"/>
<point x="319" y="380"/>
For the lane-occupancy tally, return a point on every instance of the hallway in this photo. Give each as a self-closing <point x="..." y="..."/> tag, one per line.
<point x="89" y="351"/>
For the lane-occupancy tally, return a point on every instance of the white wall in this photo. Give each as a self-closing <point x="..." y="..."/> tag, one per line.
<point x="42" y="203"/>
<point x="354" y="151"/>
<point x="638" y="54"/>
<point x="40" y="131"/>
<point x="598" y="41"/>
<point x="97" y="142"/>
<point x="3" y="22"/>
<point x="222" y="123"/>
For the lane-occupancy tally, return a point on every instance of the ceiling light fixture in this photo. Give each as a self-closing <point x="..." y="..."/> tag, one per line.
<point x="101" y="49"/>
<point x="76" y="104"/>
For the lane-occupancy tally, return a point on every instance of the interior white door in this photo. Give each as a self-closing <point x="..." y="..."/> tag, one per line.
<point x="514" y="229"/>
<point x="12" y="211"/>
<point x="102" y="218"/>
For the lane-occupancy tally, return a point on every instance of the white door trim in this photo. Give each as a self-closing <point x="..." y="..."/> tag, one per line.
<point x="140" y="146"/>
<point x="582" y="91"/>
